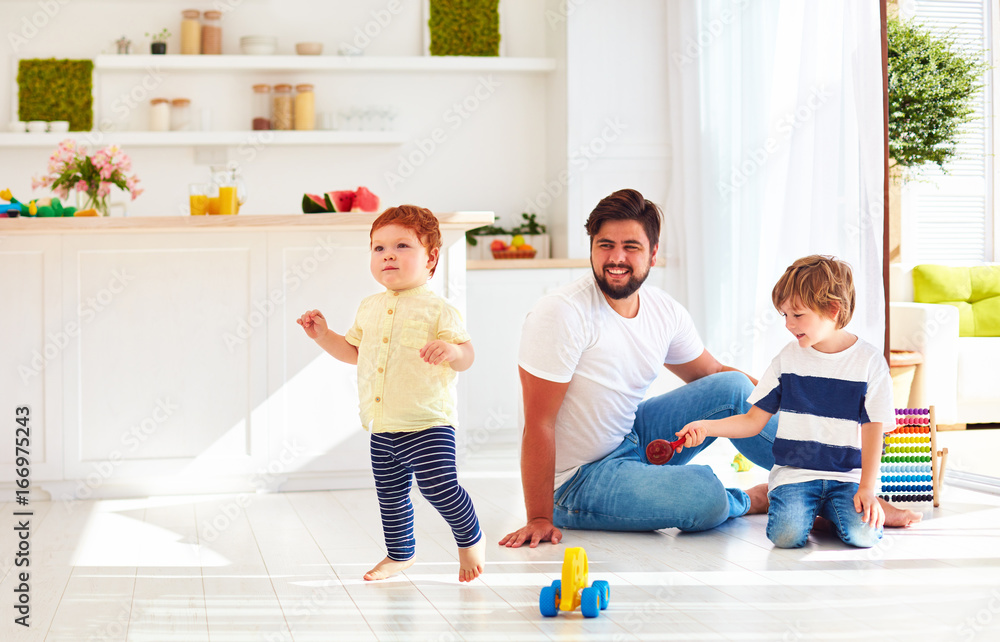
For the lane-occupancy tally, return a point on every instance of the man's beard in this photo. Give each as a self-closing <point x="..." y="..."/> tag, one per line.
<point x="623" y="291"/>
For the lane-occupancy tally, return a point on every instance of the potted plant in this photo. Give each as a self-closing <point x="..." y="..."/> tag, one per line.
<point x="481" y="239"/>
<point x="159" y="41"/>
<point x="932" y="86"/>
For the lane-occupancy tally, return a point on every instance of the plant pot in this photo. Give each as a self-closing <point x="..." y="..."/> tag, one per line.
<point x="158" y="47"/>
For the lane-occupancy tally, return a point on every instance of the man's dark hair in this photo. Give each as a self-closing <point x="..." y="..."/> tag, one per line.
<point x="626" y="205"/>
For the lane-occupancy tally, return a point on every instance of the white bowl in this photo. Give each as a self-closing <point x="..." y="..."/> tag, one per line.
<point x="37" y="126"/>
<point x="258" y="40"/>
<point x="17" y="126"/>
<point x="59" y="126"/>
<point x="258" y="50"/>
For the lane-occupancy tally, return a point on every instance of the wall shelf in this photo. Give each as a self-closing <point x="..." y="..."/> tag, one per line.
<point x="177" y="62"/>
<point x="207" y="139"/>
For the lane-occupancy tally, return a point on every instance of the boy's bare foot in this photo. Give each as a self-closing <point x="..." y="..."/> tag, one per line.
<point x="758" y="499"/>
<point x="471" y="562"/>
<point x="387" y="568"/>
<point x="896" y="517"/>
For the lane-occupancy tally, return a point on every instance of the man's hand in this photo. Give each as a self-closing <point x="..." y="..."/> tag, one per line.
<point x="871" y="510"/>
<point x="537" y="530"/>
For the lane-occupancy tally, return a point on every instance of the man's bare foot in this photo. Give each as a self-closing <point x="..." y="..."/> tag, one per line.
<point x="471" y="562"/>
<point x="758" y="499"/>
<point x="387" y="568"/>
<point x="896" y="517"/>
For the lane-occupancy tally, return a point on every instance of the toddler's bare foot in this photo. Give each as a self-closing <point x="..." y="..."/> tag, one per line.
<point x="758" y="499"/>
<point x="387" y="568"/>
<point x="471" y="562"/>
<point x="896" y="517"/>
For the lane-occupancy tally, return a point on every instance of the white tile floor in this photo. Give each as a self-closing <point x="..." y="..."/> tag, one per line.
<point x="288" y="567"/>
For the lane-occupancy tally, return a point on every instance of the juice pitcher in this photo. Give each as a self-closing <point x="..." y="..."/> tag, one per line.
<point x="228" y="191"/>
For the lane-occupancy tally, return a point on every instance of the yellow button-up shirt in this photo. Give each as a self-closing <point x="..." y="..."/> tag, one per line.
<point x="398" y="390"/>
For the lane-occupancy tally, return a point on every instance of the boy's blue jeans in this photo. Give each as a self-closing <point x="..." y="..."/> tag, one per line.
<point x="624" y="492"/>
<point x="794" y="508"/>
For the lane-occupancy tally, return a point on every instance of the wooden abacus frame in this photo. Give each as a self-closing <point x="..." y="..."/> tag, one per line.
<point x="938" y="458"/>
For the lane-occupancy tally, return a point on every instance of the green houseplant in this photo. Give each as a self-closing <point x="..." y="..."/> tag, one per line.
<point x="159" y="41"/>
<point x="932" y="86"/>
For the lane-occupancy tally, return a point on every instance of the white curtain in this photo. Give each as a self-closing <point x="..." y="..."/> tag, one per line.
<point x="776" y="121"/>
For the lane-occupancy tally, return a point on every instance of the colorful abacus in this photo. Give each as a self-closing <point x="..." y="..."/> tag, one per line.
<point x="910" y="469"/>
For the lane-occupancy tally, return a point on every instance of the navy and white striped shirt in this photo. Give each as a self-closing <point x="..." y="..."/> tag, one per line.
<point x="824" y="399"/>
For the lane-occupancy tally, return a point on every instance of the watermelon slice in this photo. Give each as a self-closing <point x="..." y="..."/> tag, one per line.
<point x="339" y="201"/>
<point x="313" y="204"/>
<point x="365" y="201"/>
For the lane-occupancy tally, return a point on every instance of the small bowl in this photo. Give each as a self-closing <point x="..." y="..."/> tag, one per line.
<point x="309" y="48"/>
<point x="258" y="50"/>
<point x="37" y="126"/>
<point x="17" y="126"/>
<point x="59" y="126"/>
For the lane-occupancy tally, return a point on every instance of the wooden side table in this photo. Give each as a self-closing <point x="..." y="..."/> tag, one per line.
<point x="903" y="366"/>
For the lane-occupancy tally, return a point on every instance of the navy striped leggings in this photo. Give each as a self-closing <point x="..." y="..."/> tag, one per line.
<point x="428" y="455"/>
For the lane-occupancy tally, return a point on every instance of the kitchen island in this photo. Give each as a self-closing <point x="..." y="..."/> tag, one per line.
<point x="160" y="355"/>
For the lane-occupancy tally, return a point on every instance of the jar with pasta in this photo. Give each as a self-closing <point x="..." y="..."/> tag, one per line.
<point x="305" y="107"/>
<point x="282" y="112"/>
<point x="190" y="32"/>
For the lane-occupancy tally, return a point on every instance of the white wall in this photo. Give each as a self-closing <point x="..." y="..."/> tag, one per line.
<point x="491" y="160"/>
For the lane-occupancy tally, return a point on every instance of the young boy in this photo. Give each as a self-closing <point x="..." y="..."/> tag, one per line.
<point x="835" y="398"/>
<point x="408" y="343"/>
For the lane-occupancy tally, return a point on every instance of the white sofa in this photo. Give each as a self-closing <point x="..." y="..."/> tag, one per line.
<point x="960" y="376"/>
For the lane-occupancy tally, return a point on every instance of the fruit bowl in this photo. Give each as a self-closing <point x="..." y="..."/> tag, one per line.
<point x="514" y="254"/>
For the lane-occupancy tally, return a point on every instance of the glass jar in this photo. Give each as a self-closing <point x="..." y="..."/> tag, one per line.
<point x="260" y="107"/>
<point x="282" y="112"/>
<point x="211" y="33"/>
<point x="180" y="115"/>
<point x="190" y="32"/>
<point x="305" y="108"/>
<point x="159" y="115"/>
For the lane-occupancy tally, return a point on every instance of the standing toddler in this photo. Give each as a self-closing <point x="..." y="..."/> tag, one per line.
<point x="408" y="344"/>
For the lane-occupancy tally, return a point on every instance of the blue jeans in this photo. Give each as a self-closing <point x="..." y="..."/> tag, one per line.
<point x="624" y="492"/>
<point x="794" y="508"/>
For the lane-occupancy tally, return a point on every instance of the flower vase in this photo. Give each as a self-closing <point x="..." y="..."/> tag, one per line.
<point x="87" y="201"/>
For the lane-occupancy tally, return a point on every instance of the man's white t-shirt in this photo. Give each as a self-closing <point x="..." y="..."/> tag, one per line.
<point x="573" y="335"/>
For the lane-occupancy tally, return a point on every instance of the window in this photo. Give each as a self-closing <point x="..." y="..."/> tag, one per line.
<point x="949" y="216"/>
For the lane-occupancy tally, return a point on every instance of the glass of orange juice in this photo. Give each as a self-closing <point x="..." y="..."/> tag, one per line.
<point x="198" y="198"/>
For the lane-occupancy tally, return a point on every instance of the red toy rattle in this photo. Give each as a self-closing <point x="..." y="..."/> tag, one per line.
<point x="659" y="451"/>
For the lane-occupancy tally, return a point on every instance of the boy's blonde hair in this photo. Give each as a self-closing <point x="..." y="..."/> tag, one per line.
<point x="419" y="219"/>
<point x="820" y="283"/>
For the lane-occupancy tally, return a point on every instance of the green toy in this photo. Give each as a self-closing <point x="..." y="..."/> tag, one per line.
<point x="43" y="208"/>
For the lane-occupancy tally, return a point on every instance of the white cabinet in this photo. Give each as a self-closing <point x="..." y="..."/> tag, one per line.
<point x="168" y="356"/>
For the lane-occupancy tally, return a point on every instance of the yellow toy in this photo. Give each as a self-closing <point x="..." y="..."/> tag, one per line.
<point x="572" y="591"/>
<point x="741" y="464"/>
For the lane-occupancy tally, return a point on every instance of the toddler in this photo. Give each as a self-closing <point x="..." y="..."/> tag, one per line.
<point x="835" y="398"/>
<point x="408" y="344"/>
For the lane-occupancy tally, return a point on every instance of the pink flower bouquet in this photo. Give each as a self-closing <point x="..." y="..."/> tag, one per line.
<point x="70" y="167"/>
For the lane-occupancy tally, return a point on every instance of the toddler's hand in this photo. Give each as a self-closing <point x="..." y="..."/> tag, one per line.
<point x="439" y="351"/>
<point x="314" y="323"/>
<point x="694" y="433"/>
<point x="868" y="505"/>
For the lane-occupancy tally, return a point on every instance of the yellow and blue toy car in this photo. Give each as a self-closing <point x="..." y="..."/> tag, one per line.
<point x="572" y="591"/>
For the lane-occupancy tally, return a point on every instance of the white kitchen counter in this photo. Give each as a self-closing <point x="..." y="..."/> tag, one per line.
<point x="161" y="355"/>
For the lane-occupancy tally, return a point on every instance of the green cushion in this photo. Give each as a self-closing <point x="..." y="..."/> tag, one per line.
<point x="975" y="291"/>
